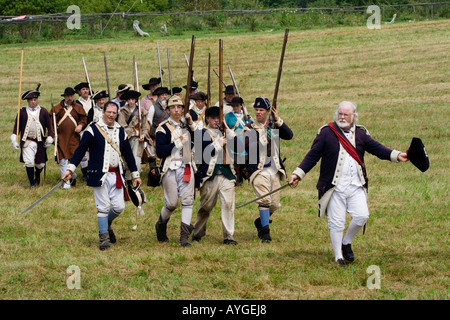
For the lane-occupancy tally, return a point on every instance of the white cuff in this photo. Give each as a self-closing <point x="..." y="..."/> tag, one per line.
<point x="135" y="174"/>
<point x="279" y="123"/>
<point x="394" y="155"/>
<point x="299" y="172"/>
<point x="71" y="167"/>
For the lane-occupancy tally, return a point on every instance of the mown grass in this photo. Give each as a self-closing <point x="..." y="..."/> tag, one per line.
<point x="398" y="76"/>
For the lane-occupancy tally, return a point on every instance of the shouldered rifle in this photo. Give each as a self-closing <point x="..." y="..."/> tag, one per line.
<point x="107" y="78"/>
<point x="208" y="92"/>
<point x="170" y="74"/>
<point x="222" y="120"/>
<point x="55" y="126"/>
<point x="20" y="88"/>
<point x="159" y="63"/>
<point x="187" y="63"/>
<point x="89" y="82"/>
<point x="277" y="85"/>
<point x="137" y="100"/>
<point x="224" y="84"/>
<point x="236" y="90"/>
<point x="190" y="78"/>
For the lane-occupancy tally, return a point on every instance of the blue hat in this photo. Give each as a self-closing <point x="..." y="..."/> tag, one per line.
<point x="263" y="103"/>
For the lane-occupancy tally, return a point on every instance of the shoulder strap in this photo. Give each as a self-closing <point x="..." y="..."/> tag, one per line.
<point x="345" y="143"/>
<point x="108" y="139"/>
<point x="132" y="115"/>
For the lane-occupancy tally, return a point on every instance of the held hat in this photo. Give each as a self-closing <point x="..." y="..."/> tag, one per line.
<point x="151" y="82"/>
<point x="418" y="155"/>
<point x="236" y="101"/>
<point x="263" y="103"/>
<point x="68" y="92"/>
<point x="137" y="196"/>
<point x="174" y="101"/>
<point x="212" y="112"/>
<point x="161" y="90"/>
<point x="130" y="94"/>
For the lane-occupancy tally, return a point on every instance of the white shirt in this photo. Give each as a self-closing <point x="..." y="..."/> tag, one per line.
<point x="349" y="174"/>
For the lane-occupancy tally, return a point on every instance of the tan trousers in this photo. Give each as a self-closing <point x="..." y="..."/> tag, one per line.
<point x="221" y="187"/>
<point x="265" y="182"/>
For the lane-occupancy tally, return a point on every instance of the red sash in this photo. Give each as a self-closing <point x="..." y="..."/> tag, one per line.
<point x="119" y="183"/>
<point x="347" y="145"/>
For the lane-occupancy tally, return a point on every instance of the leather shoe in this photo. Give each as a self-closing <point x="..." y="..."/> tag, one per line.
<point x="347" y="252"/>
<point x="340" y="262"/>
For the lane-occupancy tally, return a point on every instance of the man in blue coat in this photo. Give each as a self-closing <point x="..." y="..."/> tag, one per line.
<point x="342" y="182"/>
<point x="108" y="147"/>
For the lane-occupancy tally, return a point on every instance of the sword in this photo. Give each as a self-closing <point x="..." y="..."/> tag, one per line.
<point x="44" y="196"/>
<point x="263" y="196"/>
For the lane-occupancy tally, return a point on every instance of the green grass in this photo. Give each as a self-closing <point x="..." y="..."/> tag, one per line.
<point x="398" y="76"/>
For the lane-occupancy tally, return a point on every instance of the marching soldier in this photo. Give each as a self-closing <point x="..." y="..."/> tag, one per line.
<point x="71" y="120"/>
<point x="108" y="143"/>
<point x="265" y="167"/>
<point x="133" y="119"/>
<point x="236" y="121"/>
<point x="148" y="100"/>
<point x="198" y="111"/>
<point x="96" y="112"/>
<point x="177" y="170"/>
<point x="34" y="125"/>
<point x="342" y="184"/>
<point x="192" y="90"/>
<point x="121" y="89"/>
<point x="84" y="96"/>
<point x="214" y="179"/>
<point x="229" y="95"/>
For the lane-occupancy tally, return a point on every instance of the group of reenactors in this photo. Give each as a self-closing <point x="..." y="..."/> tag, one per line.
<point x="212" y="149"/>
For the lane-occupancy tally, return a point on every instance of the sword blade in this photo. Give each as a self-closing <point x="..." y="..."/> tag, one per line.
<point x="44" y="196"/>
<point x="263" y="196"/>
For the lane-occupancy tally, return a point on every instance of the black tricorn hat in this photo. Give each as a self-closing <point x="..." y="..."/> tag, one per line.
<point x="212" y="112"/>
<point x="418" y="155"/>
<point x="263" y="103"/>
<point x="194" y="85"/>
<point x="130" y="94"/>
<point x="236" y="101"/>
<point x="68" y="92"/>
<point x="161" y="90"/>
<point x="229" y="89"/>
<point x="176" y="90"/>
<point x="151" y="82"/>
<point x="30" y="94"/>
<point x="81" y="85"/>
<point x="137" y="196"/>
<point x="100" y="94"/>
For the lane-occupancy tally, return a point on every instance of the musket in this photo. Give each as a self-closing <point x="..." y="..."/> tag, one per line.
<point x="187" y="62"/>
<point x="236" y="91"/>
<point x="44" y="196"/>
<point x="224" y="84"/>
<point x="20" y="87"/>
<point x="55" y="126"/>
<point x="208" y="91"/>
<point x="159" y="62"/>
<point x="137" y="100"/>
<point x="133" y="81"/>
<point x="263" y="196"/>
<point x="277" y="85"/>
<point x="189" y="79"/>
<point x="170" y="74"/>
<point x="107" y="78"/>
<point x="222" y="120"/>
<point x="89" y="82"/>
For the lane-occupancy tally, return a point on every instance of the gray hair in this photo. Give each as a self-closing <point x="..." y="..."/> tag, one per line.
<point x="347" y="103"/>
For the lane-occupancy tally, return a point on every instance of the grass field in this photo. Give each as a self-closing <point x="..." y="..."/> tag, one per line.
<point x="400" y="78"/>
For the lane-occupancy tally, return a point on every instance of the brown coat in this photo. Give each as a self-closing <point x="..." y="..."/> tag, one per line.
<point x="68" y="139"/>
<point x="131" y="128"/>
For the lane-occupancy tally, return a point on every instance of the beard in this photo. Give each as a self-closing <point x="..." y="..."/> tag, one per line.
<point x="343" y="123"/>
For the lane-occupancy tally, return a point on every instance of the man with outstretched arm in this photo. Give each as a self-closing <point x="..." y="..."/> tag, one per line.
<point x="342" y="182"/>
<point x="108" y="143"/>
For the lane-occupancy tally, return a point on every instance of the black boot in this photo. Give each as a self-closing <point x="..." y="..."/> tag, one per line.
<point x="30" y="174"/>
<point x="265" y="234"/>
<point x="185" y="231"/>
<point x="112" y="236"/>
<point x="258" y="226"/>
<point x="161" y="230"/>
<point x="37" y="175"/>
<point x="104" y="242"/>
<point x="347" y="252"/>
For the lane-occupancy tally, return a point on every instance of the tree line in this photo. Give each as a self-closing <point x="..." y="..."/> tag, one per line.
<point x="38" y="7"/>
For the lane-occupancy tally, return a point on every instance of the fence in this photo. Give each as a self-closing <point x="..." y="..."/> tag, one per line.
<point x="53" y="26"/>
